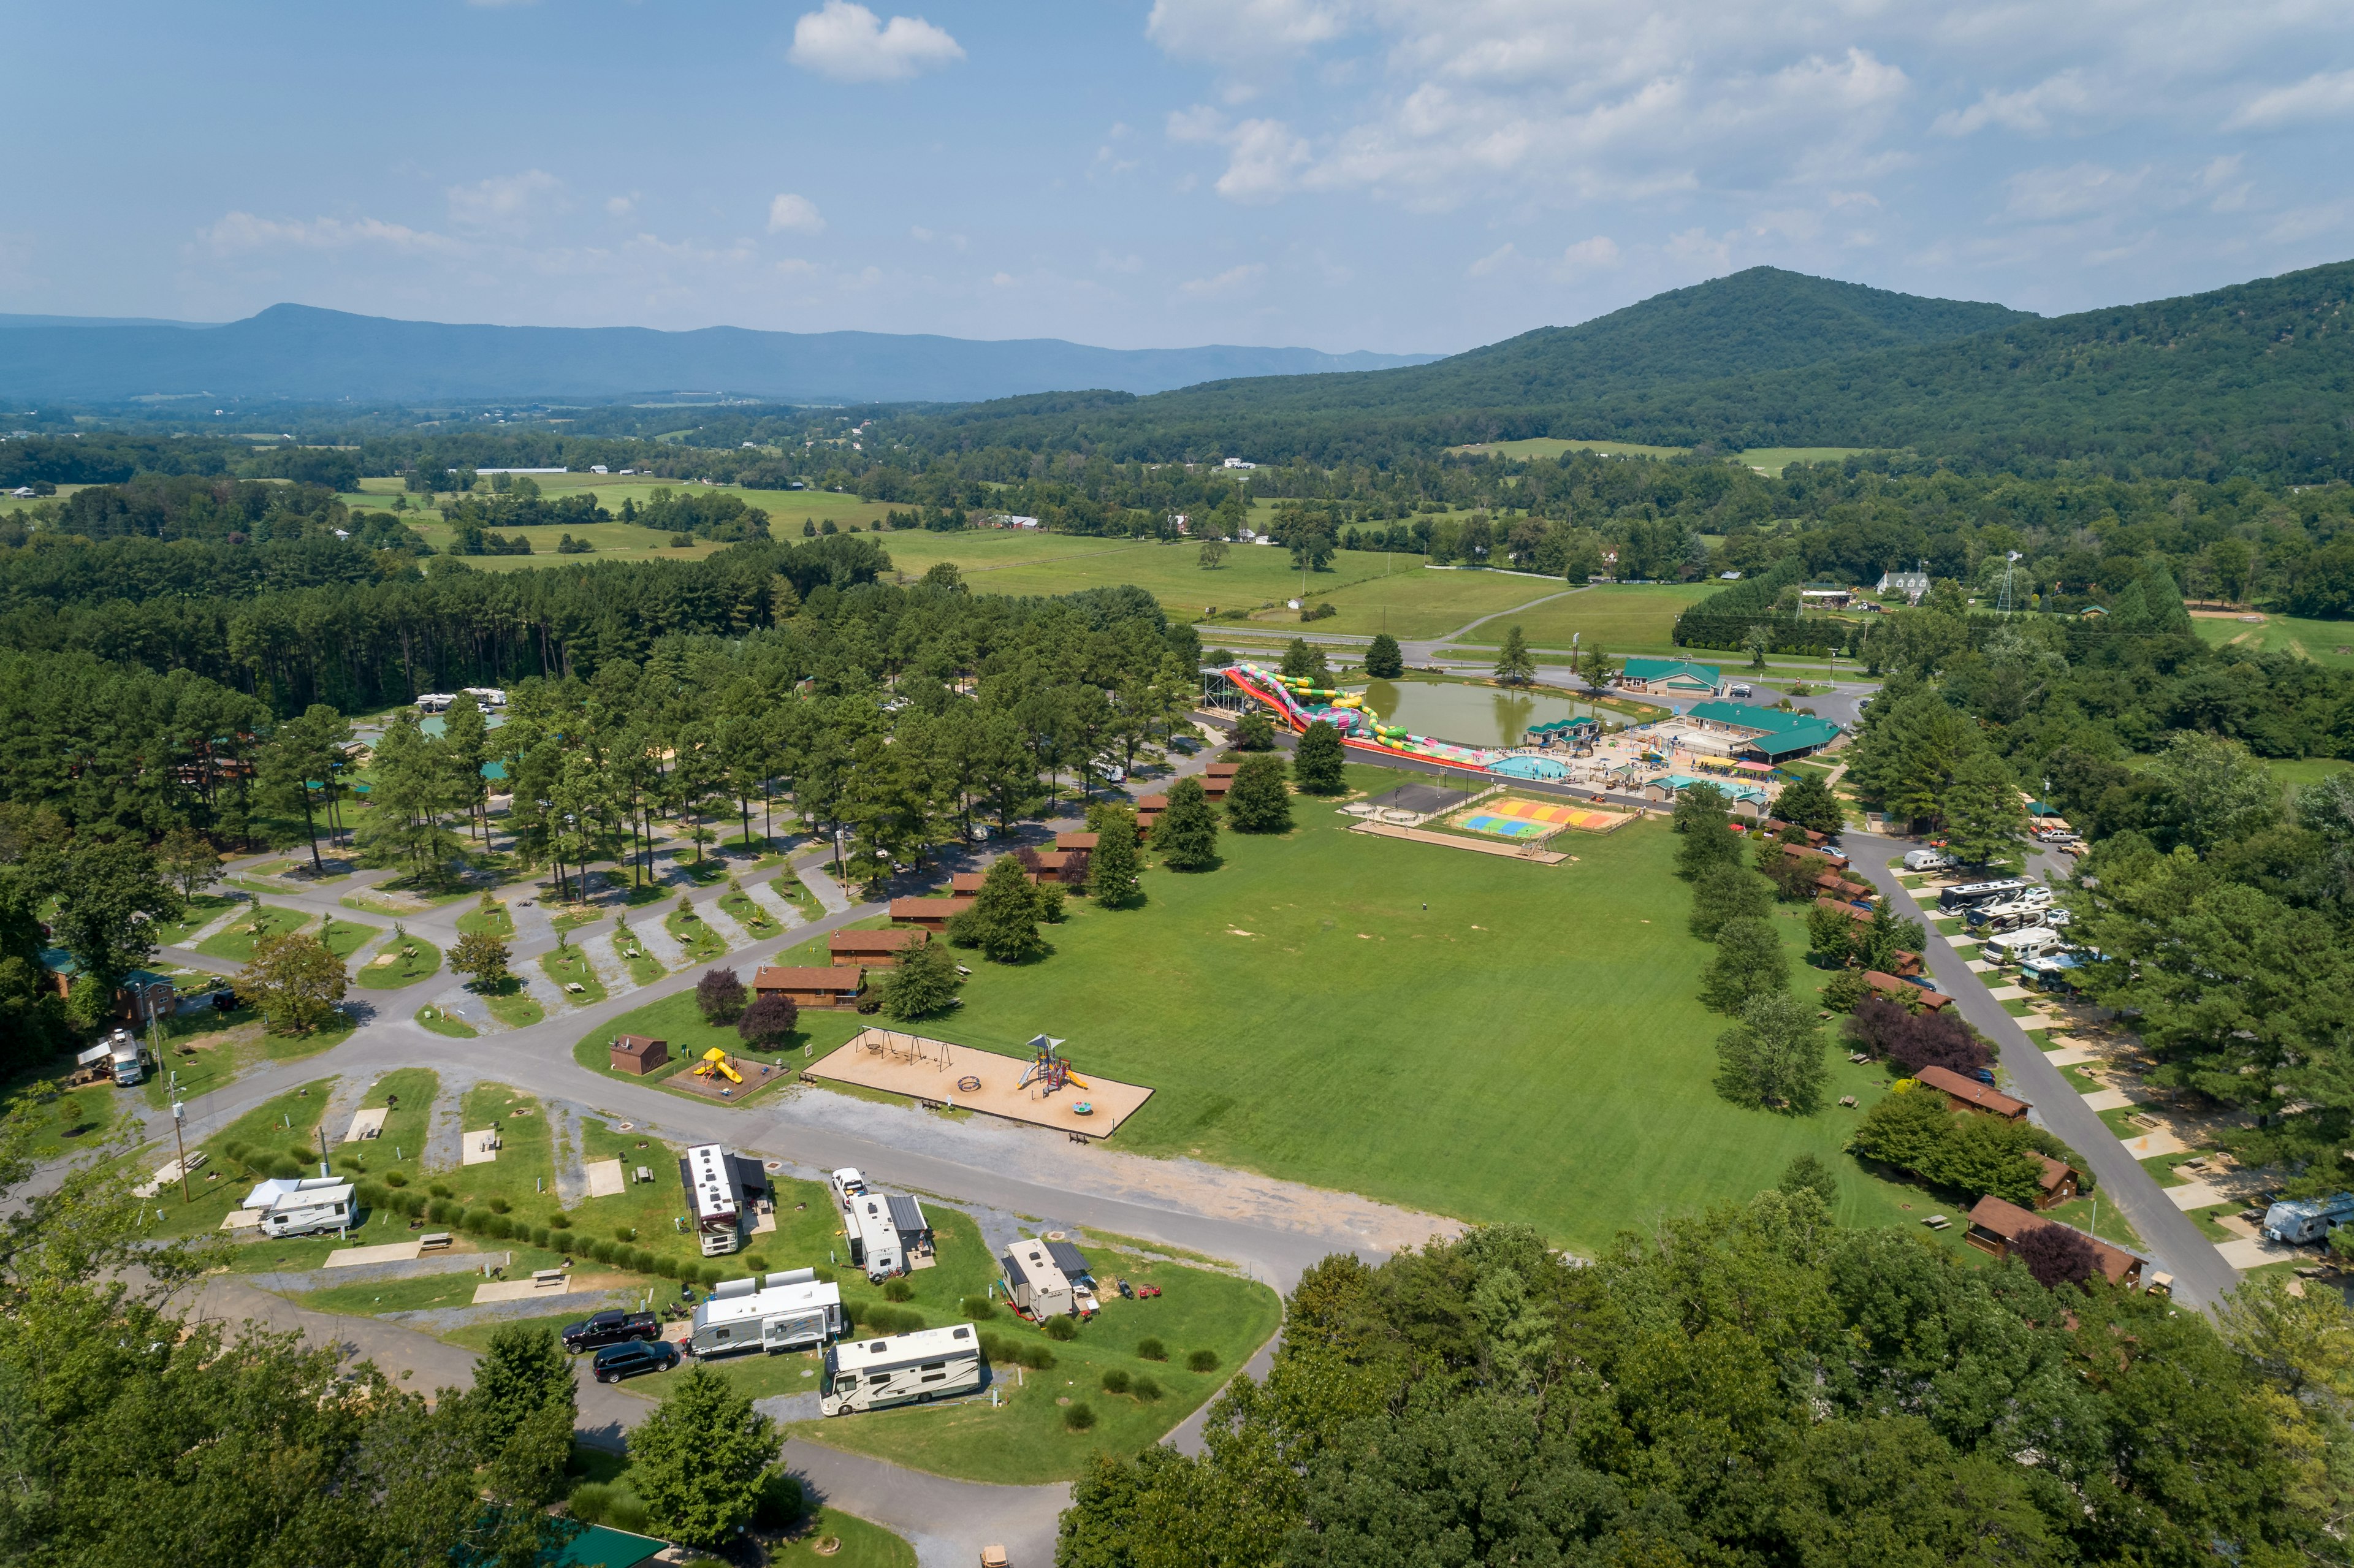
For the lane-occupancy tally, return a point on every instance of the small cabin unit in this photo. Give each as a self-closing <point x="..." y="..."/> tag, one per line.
<point x="639" y="1054"/>
<point x="929" y="913"/>
<point x="829" y="989"/>
<point x="873" y="949"/>
<point x="1997" y="1225"/>
<point x="1969" y="1094"/>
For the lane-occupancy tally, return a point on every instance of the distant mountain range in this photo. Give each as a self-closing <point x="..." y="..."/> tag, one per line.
<point x="2254" y="378"/>
<point x="297" y="352"/>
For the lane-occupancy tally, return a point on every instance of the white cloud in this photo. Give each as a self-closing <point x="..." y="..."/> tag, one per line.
<point x="1588" y="256"/>
<point x="622" y="205"/>
<point x="1243" y="33"/>
<point x="2054" y="195"/>
<point x="794" y="213"/>
<point x="1502" y="257"/>
<point x="1234" y="281"/>
<point x="2328" y="95"/>
<point x="2029" y="111"/>
<point x="242" y="231"/>
<point x="1264" y="159"/>
<point x="847" y="42"/>
<point x="506" y="202"/>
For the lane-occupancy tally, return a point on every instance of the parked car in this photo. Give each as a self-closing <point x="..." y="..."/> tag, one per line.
<point x="611" y="1329"/>
<point x="615" y="1362"/>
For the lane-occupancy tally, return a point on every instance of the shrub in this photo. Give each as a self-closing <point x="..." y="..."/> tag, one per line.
<point x="1079" y="1416"/>
<point x="645" y="1260"/>
<point x="540" y="1236"/>
<point x="709" y="1274"/>
<point x="439" y="1190"/>
<point x="600" y="1249"/>
<point x="559" y="1222"/>
<point x="441" y="1211"/>
<point x="498" y="1206"/>
<point x="2057" y="1255"/>
<point x="498" y="1226"/>
<point x="782" y="1500"/>
<point x="590" y="1500"/>
<point x="1151" y="1350"/>
<point x="1062" y="1329"/>
<point x="626" y="1511"/>
<point x="979" y="1308"/>
<point x="476" y="1220"/>
<point x="756" y="1262"/>
<point x="625" y="1233"/>
<point x="396" y="1179"/>
<point x="303" y="1154"/>
<point x="234" y="1150"/>
<point x="286" y="1168"/>
<point x="1145" y="1389"/>
<point x="1203" y="1361"/>
<point x="1115" y="1381"/>
<point x="898" y="1290"/>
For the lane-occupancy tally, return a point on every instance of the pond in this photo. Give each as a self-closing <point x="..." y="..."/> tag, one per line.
<point x="1471" y="716"/>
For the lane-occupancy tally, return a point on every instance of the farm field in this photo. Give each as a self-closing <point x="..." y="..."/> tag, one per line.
<point x="1622" y="617"/>
<point x="1529" y="1047"/>
<point x="2329" y="642"/>
<point x="1768" y="459"/>
<point x="1368" y="587"/>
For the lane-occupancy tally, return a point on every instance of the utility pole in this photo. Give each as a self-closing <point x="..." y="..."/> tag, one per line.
<point x="179" y="1141"/>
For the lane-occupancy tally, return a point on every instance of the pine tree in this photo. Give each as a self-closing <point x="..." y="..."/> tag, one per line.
<point x="1319" y="761"/>
<point x="1985" y="820"/>
<point x="1748" y="964"/>
<point x="1112" y="868"/>
<point x="1514" y="667"/>
<point x="1003" y="920"/>
<point x="1809" y="803"/>
<point x="522" y="1408"/>
<point x="701" y="1459"/>
<point x="1187" y="833"/>
<point x="1257" y="801"/>
<point x="1383" y="662"/>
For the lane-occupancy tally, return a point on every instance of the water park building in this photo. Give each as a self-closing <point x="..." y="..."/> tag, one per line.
<point x="1769" y="735"/>
<point x="1680" y="677"/>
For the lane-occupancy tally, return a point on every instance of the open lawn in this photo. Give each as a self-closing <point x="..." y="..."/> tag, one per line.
<point x="202" y="908"/>
<point x="1766" y="460"/>
<point x="1369" y="588"/>
<point x="694" y="934"/>
<point x="235" y="941"/>
<point x="1621" y="617"/>
<point x="74" y="1121"/>
<point x="2329" y="642"/>
<point x="858" y="1545"/>
<point x="1024" y="1439"/>
<point x="677" y="1019"/>
<point x="2304" y="771"/>
<point x="568" y="967"/>
<point x="412" y="960"/>
<point x="1527" y="1048"/>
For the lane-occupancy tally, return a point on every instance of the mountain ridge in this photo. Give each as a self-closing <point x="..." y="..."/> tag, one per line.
<point x="302" y="352"/>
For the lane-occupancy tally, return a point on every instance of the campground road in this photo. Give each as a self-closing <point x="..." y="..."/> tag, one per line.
<point x="2201" y="1276"/>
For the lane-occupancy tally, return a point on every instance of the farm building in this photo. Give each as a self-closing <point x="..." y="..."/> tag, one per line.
<point x="1969" y="1094"/>
<point x="827" y="990"/>
<point x="873" y="949"/>
<point x="1995" y="1226"/>
<point x="639" y="1054"/>
<point x="1673" y="675"/>
<point x="932" y="914"/>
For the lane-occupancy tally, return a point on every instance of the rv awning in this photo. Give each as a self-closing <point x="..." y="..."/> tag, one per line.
<point x="1012" y="1267"/>
<point x="907" y="1214"/>
<point x="750" y="1175"/>
<point x="1070" y="1259"/>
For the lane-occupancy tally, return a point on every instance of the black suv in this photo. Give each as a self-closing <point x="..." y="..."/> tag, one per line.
<point x="615" y="1362"/>
<point x="611" y="1328"/>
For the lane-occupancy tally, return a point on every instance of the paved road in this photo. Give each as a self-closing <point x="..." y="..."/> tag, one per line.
<point x="2201" y="1276"/>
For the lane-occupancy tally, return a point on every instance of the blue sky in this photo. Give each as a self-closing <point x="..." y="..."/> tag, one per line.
<point x="1396" y="174"/>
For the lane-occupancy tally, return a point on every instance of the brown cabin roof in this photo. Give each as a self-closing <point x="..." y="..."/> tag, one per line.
<point x="1078" y="841"/>
<point x="2010" y="1222"/>
<point x="876" y="941"/>
<point x="1220" y="770"/>
<point x="1984" y="1096"/>
<point x="1890" y="985"/>
<point x="1827" y="857"/>
<point x="788" y="977"/>
<point x="1152" y="802"/>
<point x="1863" y="917"/>
<point x="638" y="1044"/>
<point x="2055" y="1171"/>
<point x="928" y="909"/>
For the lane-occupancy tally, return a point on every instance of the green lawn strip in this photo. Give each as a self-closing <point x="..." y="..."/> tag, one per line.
<point x="286" y="1124"/>
<point x="1620" y="618"/>
<point x="441" y="1023"/>
<point x="2118" y="1120"/>
<point x="694" y="934"/>
<point x="573" y="919"/>
<point x="748" y="915"/>
<point x="510" y="1005"/>
<point x="76" y="1119"/>
<point x="1026" y="1441"/>
<point x="568" y="966"/>
<point x="202" y="909"/>
<point x="677" y="1020"/>
<point x="345" y="937"/>
<point x="2084" y="1083"/>
<point x="296" y="1047"/>
<point x="367" y="1298"/>
<point x="476" y="1336"/>
<point x="206" y="1052"/>
<point x="413" y="960"/>
<point x="2080" y="1213"/>
<point x="523" y="1177"/>
<point x="492" y="922"/>
<point x="861" y="1543"/>
<point x="1525" y="1006"/>
<point x="644" y="968"/>
<point x="374" y="905"/>
<point x="235" y="942"/>
<point x="408" y="1093"/>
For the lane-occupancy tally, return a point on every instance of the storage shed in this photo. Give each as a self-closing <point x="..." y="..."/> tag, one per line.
<point x="639" y="1054"/>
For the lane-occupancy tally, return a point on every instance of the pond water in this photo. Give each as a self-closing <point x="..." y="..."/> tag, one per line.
<point x="1471" y="716"/>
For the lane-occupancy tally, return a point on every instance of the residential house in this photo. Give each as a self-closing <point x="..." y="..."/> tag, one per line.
<point x="1969" y="1094"/>
<point x="1912" y="585"/>
<point x="1904" y="992"/>
<point x="1996" y="1227"/>
<point x="827" y="990"/>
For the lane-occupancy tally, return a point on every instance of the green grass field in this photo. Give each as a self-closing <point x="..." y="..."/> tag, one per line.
<point x="1768" y="459"/>
<point x="412" y="960"/>
<point x="2329" y="642"/>
<point x="1528" y="1047"/>
<point x="1621" y="617"/>
<point x="235" y="942"/>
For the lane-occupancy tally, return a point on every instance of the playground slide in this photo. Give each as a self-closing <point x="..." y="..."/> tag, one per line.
<point x="1345" y="712"/>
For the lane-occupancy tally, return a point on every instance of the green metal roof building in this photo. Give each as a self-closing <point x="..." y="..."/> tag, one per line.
<point x="1673" y="675"/>
<point x="1774" y="734"/>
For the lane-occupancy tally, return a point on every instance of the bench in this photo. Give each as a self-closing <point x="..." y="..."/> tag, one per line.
<point x="434" y="1241"/>
<point x="643" y="1174"/>
<point x="542" y="1278"/>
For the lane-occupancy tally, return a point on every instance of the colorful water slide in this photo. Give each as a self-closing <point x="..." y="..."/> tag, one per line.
<point x="1299" y="705"/>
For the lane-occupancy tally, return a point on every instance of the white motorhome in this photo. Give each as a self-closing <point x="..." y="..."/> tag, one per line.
<point x="906" y="1369"/>
<point x="303" y="1206"/>
<point x="789" y="1311"/>
<point x="2017" y="947"/>
<point x="1971" y="894"/>
<point x="2010" y="914"/>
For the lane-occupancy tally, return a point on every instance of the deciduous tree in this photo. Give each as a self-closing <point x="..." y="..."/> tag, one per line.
<point x="1774" y="1056"/>
<point x="482" y="956"/>
<point x="294" y="981"/>
<point x="921" y="985"/>
<point x="1748" y="963"/>
<point x="1319" y="761"/>
<point x="1003" y="919"/>
<point x="1187" y="833"/>
<point x="1257" y="800"/>
<point x="700" y="1460"/>
<point x="770" y="1020"/>
<point x="719" y="995"/>
<point x="1112" y="867"/>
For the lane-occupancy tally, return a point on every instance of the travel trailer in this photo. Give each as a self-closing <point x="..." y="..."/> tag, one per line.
<point x="789" y="1311"/>
<point x="303" y="1206"/>
<point x="720" y="1188"/>
<point x="906" y="1369"/>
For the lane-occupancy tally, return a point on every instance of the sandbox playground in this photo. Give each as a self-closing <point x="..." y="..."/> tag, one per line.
<point x="1041" y="1089"/>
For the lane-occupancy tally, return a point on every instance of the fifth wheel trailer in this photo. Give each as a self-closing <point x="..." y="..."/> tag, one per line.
<point x="787" y="1311"/>
<point x="906" y="1369"/>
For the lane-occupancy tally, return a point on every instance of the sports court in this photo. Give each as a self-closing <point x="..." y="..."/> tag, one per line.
<point x="1510" y="817"/>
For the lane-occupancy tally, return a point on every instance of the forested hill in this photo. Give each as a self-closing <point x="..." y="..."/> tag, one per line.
<point x="2248" y="379"/>
<point x="298" y="353"/>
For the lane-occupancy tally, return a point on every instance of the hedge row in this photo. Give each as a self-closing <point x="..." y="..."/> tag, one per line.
<point x="494" y="1227"/>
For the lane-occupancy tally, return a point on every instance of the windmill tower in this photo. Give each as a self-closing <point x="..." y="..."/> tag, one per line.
<point x="2010" y="565"/>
